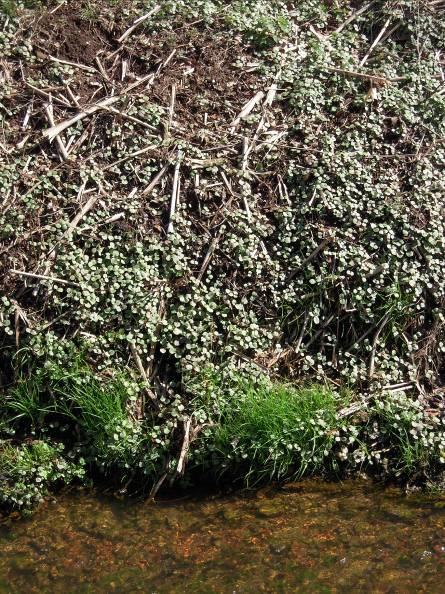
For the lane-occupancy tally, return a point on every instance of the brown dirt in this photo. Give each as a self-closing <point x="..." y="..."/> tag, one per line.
<point x="215" y="86"/>
<point x="69" y="35"/>
<point x="203" y="69"/>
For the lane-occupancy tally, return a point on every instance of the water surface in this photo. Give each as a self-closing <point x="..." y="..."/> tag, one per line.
<point x="311" y="537"/>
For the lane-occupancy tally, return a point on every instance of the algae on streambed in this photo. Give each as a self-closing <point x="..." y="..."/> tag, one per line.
<point x="308" y="537"/>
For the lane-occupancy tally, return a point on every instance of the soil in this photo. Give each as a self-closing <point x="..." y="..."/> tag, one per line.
<point x="68" y="35"/>
<point x="209" y="82"/>
<point x="210" y="86"/>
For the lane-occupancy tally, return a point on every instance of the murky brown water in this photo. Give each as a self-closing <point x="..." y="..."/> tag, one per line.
<point x="312" y="538"/>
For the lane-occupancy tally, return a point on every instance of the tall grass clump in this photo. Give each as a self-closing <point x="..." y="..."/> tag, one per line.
<point x="97" y="416"/>
<point x="101" y="410"/>
<point x="25" y="401"/>
<point x="276" y="431"/>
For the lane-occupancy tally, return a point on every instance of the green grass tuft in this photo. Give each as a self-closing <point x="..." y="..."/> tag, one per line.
<point x="276" y="431"/>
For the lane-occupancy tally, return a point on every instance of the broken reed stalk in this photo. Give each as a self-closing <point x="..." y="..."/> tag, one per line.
<point x="369" y="76"/>
<point x="101" y="68"/>
<point x="51" y="255"/>
<point x="161" y="313"/>
<point x="48" y="96"/>
<point x="374" y="346"/>
<point x="74" y="64"/>
<point x="52" y="132"/>
<point x="175" y="192"/>
<point x="128" y="117"/>
<point x="185" y="446"/>
<point x="158" y="485"/>
<point x="139" y="365"/>
<point x="154" y="182"/>
<point x="248" y="107"/>
<point x="142" y="151"/>
<point x="208" y="256"/>
<point x="138" y="22"/>
<point x="49" y="116"/>
<point x="53" y="279"/>
<point x="55" y="130"/>
<point x="268" y="101"/>
<point x="171" y="112"/>
<point x="79" y="216"/>
<point x="375" y="42"/>
<point x="353" y="16"/>
<point x="320" y="247"/>
<point x="354" y="408"/>
<point x="302" y="331"/>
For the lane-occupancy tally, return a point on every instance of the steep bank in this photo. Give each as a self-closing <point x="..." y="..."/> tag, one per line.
<point x="221" y="191"/>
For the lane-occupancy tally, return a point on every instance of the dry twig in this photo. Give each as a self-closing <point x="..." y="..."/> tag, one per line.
<point x="354" y="15"/>
<point x="138" y="22"/>
<point x="60" y="144"/>
<point x="53" y="279"/>
<point x="175" y="192"/>
<point x="141" y="370"/>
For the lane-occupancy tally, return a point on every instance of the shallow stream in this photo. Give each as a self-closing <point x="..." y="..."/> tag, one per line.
<point x="311" y="537"/>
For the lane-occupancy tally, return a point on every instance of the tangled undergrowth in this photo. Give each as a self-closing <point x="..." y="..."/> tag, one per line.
<point x="224" y="189"/>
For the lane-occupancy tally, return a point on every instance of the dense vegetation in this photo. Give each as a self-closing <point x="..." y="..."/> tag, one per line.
<point x="222" y="241"/>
